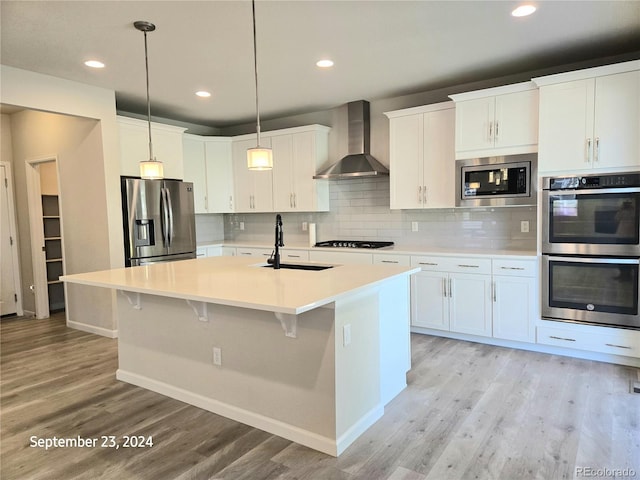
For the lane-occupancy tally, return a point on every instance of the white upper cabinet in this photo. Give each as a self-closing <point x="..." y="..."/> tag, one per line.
<point x="422" y="165"/>
<point x="134" y="146"/>
<point x="296" y="158"/>
<point x="253" y="188"/>
<point x="208" y="165"/>
<point x="297" y="154"/>
<point x="590" y="119"/>
<point x="496" y="121"/>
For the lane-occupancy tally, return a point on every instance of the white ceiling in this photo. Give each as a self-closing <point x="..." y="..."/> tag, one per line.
<point x="381" y="49"/>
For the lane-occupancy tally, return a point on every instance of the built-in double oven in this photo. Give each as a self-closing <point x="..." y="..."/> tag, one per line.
<point x="591" y="249"/>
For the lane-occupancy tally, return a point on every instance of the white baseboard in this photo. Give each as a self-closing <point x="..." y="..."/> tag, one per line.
<point x="93" y="329"/>
<point x="276" y="427"/>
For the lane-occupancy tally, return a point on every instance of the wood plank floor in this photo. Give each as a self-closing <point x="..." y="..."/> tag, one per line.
<point x="471" y="411"/>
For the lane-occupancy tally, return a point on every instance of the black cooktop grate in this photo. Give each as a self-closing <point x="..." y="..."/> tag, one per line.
<point x="353" y="244"/>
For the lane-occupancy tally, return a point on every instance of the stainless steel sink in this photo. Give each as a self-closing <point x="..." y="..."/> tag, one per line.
<point x="301" y="266"/>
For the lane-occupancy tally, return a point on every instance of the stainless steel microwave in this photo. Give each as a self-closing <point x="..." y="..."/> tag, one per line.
<point x="497" y="181"/>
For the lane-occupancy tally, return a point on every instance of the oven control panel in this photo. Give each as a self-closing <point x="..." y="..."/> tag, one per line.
<point x="621" y="180"/>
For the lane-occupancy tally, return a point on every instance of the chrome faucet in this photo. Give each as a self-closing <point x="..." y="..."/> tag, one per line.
<point x="279" y="241"/>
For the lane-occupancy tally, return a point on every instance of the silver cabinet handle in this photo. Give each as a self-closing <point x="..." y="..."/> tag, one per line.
<point x="450" y="288"/>
<point x="561" y="338"/>
<point x="490" y="131"/>
<point x="512" y="268"/>
<point x="494" y="288"/>
<point x="496" y="134"/>
<point x="295" y="200"/>
<point x="420" y="194"/>
<point x="617" y="346"/>
<point x="389" y="261"/>
<point x="587" y="151"/>
<point x="468" y="266"/>
<point x="424" y="194"/>
<point x="596" y="150"/>
<point x="444" y="287"/>
<point x="293" y="256"/>
<point x="426" y="263"/>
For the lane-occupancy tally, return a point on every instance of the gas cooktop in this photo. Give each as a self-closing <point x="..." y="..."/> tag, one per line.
<point x="353" y="244"/>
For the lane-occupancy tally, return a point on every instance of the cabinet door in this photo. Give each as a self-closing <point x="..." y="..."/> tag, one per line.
<point x="617" y="121"/>
<point x="305" y="188"/>
<point x="516" y="121"/>
<point x="219" y="170"/>
<point x="566" y="125"/>
<point x="406" y="160"/>
<point x="337" y="258"/>
<point x="195" y="171"/>
<point x="242" y="178"/>
<point x="474" y="125"/>
<point x="283" y="173"/>
<point x="514" y="300"/>
<point x="254" y="189"/>
<point x="439" y="159"/>
<point x="429" y="301"/>
<point x="167" y="147"/>
<point x="470" y="303"/>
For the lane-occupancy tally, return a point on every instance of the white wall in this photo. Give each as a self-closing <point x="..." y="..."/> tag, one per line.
<point x="89" y="177"/>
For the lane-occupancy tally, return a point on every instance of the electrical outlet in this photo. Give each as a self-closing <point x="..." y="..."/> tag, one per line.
<point x="524" y="226"/>
<point x="217" y="356"/>
<point x="414" y="226"/>
<point x="346" y="335"/>
<point x="241" y="225"/>
<point x="304" y="226"/>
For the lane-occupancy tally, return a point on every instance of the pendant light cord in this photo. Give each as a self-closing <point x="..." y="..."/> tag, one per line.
<point x="146" y="65"/>
<point x="255" y="68"/>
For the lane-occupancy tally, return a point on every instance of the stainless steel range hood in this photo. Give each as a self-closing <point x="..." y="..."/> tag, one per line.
<point x="359" y="162"/>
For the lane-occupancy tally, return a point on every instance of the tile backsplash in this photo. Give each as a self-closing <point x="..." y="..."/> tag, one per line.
<point x="359" y="210"/>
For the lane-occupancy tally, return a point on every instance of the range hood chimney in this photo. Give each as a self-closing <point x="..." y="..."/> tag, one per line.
<point x="359" y="162"/>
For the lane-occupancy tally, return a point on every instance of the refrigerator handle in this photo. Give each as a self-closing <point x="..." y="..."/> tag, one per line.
<point x="170" y="234"/>
<point x="165" y="217"/>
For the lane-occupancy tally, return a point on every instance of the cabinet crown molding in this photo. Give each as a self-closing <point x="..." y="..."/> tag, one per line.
<point x="491" y="92"/>
<point x="421" y="109"/>
<point x="587" y="73"/>
<point x="134" y="122"/>
<point x="284" y="131"/>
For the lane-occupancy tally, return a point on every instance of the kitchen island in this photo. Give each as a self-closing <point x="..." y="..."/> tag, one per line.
<point x="312" y="356"/>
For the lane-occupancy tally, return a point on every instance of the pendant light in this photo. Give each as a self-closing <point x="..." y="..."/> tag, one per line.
<point x="149" y="169"/>
<point x="258" y="158"/>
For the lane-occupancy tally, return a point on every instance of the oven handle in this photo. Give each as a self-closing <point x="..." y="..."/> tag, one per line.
<point x="573" y="191"/>
<point x="624" y="261"/>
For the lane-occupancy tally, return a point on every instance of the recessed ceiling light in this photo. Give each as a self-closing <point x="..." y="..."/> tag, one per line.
<point x="203" y="94"/>
<point x="523" y="11"/>
<point x="94" y="64"/>
<point x="324" y="63"/>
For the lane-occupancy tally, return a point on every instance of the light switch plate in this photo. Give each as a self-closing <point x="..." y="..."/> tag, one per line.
<point x="524" y="226"/>
<point x="346" y="335"/>
<point x="414" y="226"/>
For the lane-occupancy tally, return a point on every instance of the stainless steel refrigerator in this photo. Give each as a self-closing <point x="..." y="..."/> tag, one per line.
<point x="159" y="221"/>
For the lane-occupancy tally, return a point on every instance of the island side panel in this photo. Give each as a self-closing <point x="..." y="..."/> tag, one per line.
<point x="276" y="383"/>
<point x="395" y="339"/>
<point x="358" y="403"/>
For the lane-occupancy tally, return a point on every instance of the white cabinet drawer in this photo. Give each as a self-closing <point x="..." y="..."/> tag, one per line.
<point x="201" y="252"/>
<point x="436" y="264"/>
<point x="348" y="258"/>
<point x="391" y="259"/>
<point x="254" y="252"/>
<point x="518" y="268"/>
<point x="294" y="255"/>
<point x="471" y="265"/>
<point x="612" y="341"/>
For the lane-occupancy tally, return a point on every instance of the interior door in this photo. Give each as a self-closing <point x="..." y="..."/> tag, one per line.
<point x="9" y="282"/>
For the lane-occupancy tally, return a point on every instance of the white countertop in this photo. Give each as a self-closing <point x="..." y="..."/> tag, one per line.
<point x="398" y="250"/>
<point x="237" y="281"/>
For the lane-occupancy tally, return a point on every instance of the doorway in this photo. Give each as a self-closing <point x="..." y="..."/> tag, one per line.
<point x="47" y="246"/>
<point x="10" y="285"/>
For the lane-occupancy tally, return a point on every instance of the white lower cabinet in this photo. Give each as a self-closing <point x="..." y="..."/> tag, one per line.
<point x="228" y="251"/>
<point x="445" y="295"/>
<point x="253" y="252"/>
<point x="292" y="256"/>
